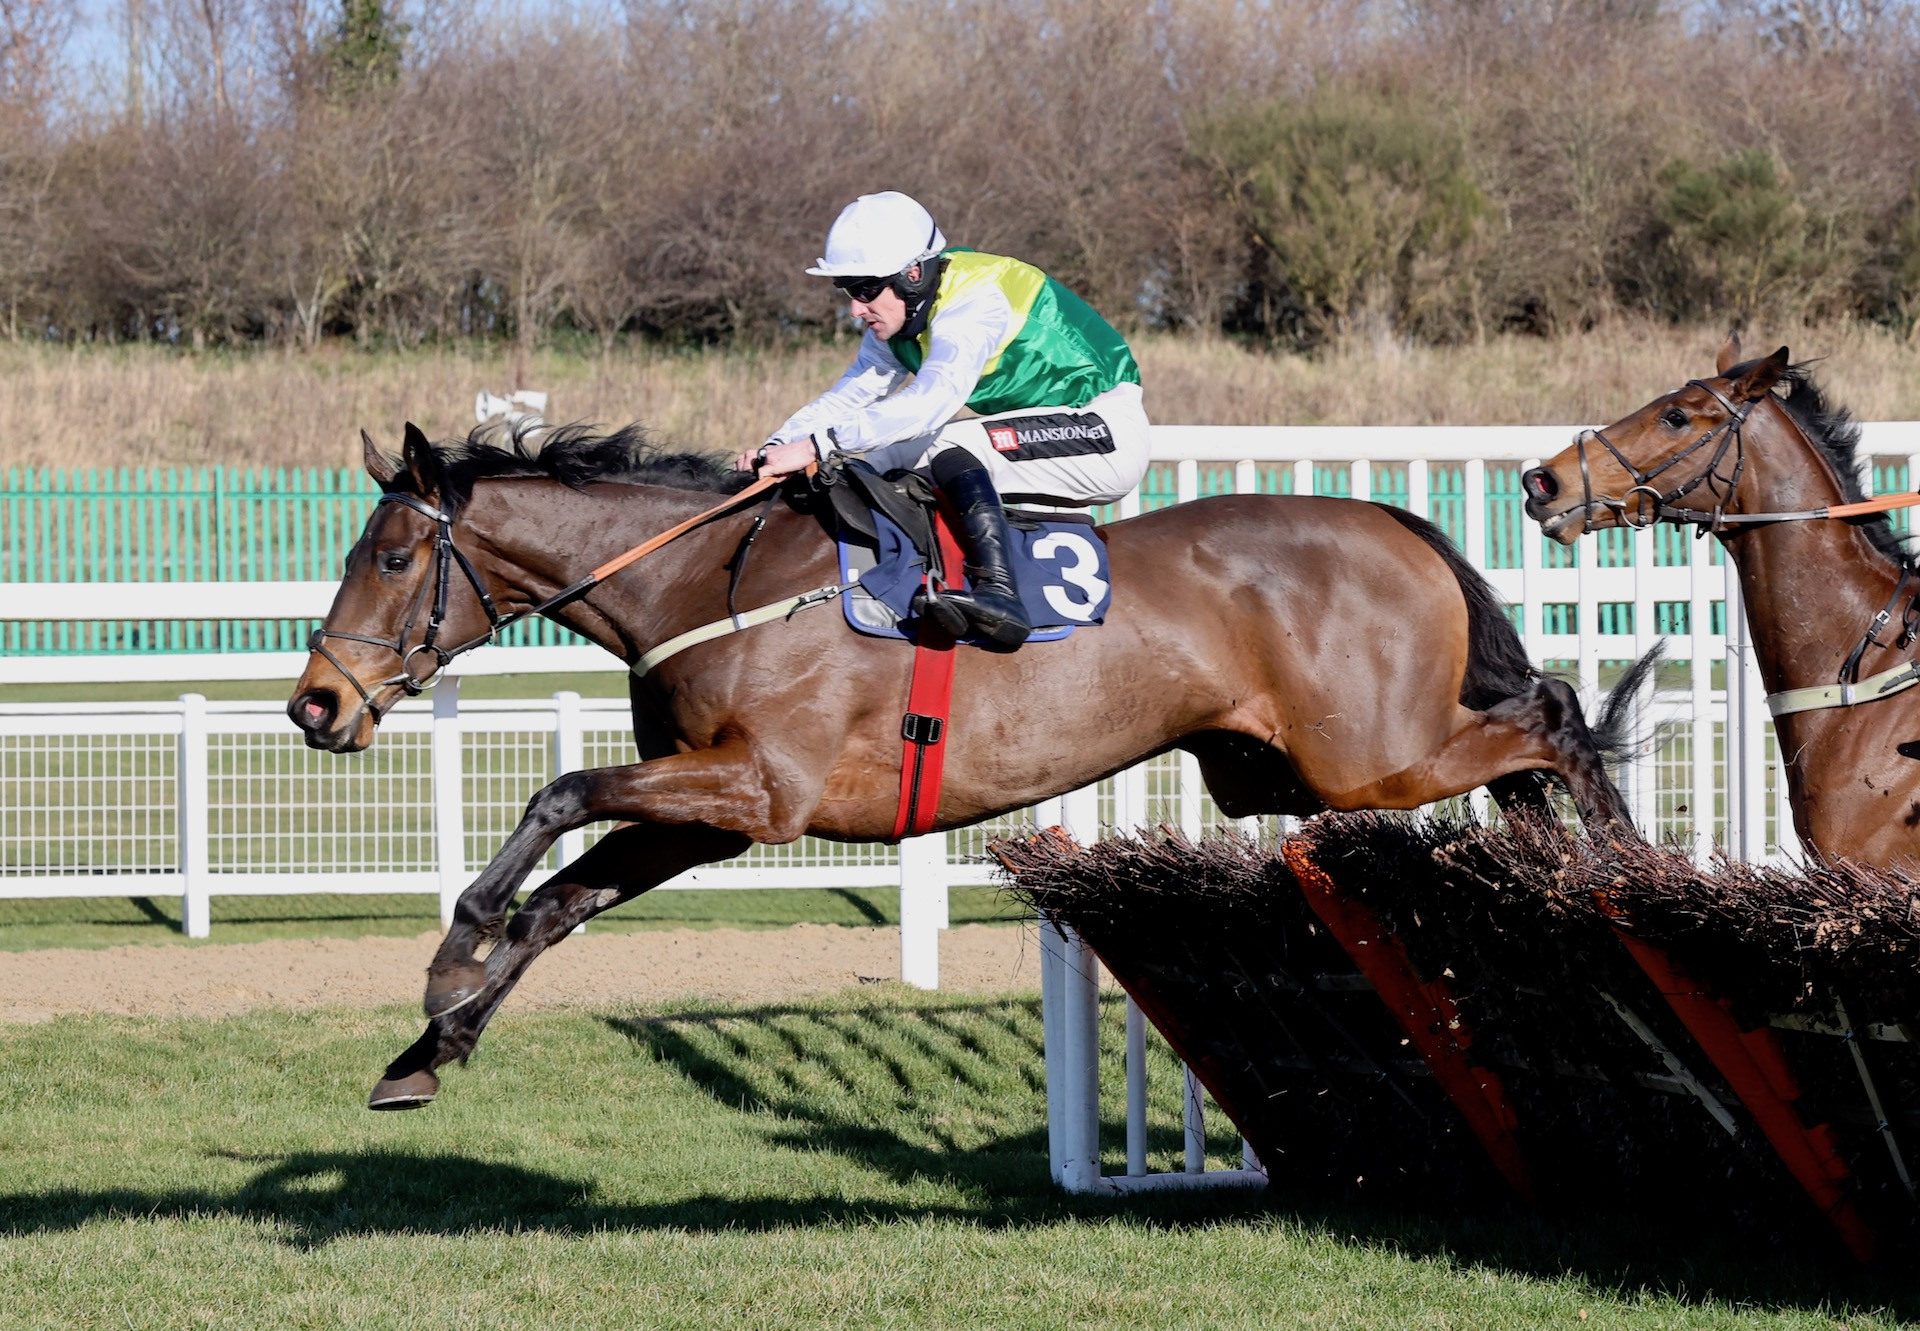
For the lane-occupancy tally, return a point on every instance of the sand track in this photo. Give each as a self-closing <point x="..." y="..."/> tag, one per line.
<point x="711" y="965"/>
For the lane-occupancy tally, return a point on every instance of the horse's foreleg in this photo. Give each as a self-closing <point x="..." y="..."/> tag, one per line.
<point x="623" y="864"/>
<point x="1542" y="729"/>
<point x="718" y="788"/>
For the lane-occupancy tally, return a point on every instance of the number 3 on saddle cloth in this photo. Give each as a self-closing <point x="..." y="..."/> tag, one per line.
<point x="1060" y="567"/>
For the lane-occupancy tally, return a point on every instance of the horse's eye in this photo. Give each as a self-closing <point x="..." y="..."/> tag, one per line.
<point x="1675" y="419"/>
<point x="394" y="561"/>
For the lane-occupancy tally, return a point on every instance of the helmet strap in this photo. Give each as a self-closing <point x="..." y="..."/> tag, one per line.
<point x="919" y="295"/>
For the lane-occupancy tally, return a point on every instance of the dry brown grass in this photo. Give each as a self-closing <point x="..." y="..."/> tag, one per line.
<point x="150" y="406"/>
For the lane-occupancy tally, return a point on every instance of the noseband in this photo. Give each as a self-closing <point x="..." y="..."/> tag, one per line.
<point x="446" y="556"/>
<point x="1645" y="504"/>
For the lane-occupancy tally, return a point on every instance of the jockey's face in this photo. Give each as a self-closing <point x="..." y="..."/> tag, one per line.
<point x="886" y="313"/>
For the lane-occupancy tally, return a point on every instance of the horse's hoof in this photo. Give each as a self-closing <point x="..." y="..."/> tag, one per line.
<point x="413" y="1091"/>
<point x="453" y="987"/>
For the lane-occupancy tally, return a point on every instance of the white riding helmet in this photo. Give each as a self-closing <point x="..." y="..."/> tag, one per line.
<point x="878" y="235"/>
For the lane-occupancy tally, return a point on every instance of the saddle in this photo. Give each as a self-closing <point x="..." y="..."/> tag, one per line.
<point x="893" y="539"/>
<point x="888" y="544"/>
<point x="856" y="493"/>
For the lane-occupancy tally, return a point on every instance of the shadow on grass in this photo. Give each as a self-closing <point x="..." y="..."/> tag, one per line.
<point x="150" y="910"/>
<point x="948" y="1095"/>
<point x="309" y="1200"/>
<point x="867" y="911"/>
<point x="312" y="1199"/>
<point x="1673" y="1255"/>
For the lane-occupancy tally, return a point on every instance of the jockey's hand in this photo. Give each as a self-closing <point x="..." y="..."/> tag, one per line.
<point x="778" y="459"/>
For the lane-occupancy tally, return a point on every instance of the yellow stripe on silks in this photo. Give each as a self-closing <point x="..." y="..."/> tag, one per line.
<point x="1871" y="689"/>
<point x="1019" y="282"/>
<point x="1059" y="353"/>
<point x="720" y="628"/>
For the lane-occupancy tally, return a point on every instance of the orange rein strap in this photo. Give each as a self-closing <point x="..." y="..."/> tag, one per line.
<point x="1878" y="504"/>
<point x="620" y="561"/>
<point x="652" y="543"/>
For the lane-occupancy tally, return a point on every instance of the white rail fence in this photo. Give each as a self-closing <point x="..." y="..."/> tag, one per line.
<point x="196" y="798"/>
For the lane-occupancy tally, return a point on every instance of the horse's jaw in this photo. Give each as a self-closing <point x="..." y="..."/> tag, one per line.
<point x="353" y="738"/>
<point x="1570" y="524"/>
<point x="349" y="734"/>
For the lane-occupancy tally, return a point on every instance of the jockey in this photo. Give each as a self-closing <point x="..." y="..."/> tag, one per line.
<point x="1055" y="387"/>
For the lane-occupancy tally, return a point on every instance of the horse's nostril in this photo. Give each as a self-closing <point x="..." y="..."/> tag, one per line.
<point x="1539" y="483"/>
<point x="312" y="711"/>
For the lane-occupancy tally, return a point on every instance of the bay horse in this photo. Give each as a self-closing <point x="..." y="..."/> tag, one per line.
<point x="1757" y="456"/>
<point x="1313" y="653"/>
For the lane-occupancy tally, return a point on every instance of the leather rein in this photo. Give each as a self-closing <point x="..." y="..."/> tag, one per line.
<point x="448" y="556"/>
<point x="1645" y="504"/>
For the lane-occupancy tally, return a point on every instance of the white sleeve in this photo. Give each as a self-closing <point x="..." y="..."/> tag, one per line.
<point x="874" y="373"/>
<point x="962" y="339"/>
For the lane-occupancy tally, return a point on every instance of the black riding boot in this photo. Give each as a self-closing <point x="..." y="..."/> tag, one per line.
<point x="991" y="604"/>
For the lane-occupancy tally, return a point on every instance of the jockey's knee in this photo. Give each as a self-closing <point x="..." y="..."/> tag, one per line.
<point x="951" y="461"/>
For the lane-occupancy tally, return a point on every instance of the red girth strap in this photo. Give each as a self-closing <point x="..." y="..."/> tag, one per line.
<point x="923" y="730"/>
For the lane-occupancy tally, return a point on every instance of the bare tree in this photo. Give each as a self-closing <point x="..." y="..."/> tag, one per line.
<point x="667" y="167"/>
<point x="31" y="35"/>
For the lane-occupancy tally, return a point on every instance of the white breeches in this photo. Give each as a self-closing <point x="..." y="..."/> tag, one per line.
<point x="1080" y="455"/>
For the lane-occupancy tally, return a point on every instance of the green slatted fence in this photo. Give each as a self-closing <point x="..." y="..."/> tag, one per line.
<point x="216" y="524"/>
<point x="200" y="524"/>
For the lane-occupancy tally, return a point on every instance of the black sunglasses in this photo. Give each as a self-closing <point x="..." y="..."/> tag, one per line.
<point x="863" y="289"/>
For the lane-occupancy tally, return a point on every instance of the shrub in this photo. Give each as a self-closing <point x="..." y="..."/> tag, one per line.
<point x="1357" y="210"/>
<point x="1743" y="244"/>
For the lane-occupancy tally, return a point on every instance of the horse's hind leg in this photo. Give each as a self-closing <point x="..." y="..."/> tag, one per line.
<point x="1521" y="792"/>
<point x="623" y="864"/>
<point x="1542" y="729"/>
<point x="1553" y="710"/>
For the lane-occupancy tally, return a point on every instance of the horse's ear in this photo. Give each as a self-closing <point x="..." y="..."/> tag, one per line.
<point x="379" y="466"/>
<point x="1760" y="378"/>
<point x="1729" y="352"/>
<point x="423" y="464"/>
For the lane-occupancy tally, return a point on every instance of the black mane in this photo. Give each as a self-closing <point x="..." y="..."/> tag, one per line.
<point x="576" y="455"/>
<point x="1835" y="432"/>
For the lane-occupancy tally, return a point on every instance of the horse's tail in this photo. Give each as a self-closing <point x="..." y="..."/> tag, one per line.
<point x="1611" y="728"/>
<point x="1497" y="664"/>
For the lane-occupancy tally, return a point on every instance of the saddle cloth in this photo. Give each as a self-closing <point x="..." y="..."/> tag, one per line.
<point x="1060" y="565"/>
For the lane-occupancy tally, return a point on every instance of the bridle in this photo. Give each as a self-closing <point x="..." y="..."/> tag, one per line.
<point x="1645" y="504"/>
<point x="1649" y="505"/>
<point x="448" y="556"/>
<point x="1654" y="506"/>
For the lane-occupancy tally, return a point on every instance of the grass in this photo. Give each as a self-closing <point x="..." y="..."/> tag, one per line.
<point x="873" y="1161"/>
<point x="149" y="405"/>
<point x="113" y="921"/>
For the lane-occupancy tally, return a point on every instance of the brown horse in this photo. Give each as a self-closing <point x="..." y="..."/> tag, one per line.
<point x="1765" y="473"/>
<point x="1314" y="653"/>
